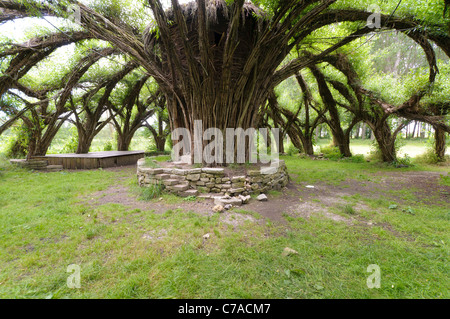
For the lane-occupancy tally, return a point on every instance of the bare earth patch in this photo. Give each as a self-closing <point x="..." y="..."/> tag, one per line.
<point x="295" y="200"/>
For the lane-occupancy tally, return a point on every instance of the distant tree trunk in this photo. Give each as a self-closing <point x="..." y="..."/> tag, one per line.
<point x="357" y="131"/>
<point x="160" y="143"/>
<point x="125" y="136"/>
<point x="84" y="142"/>
<point x="422" y="131"/>
<point x="414" y="129"/>
<point x="159" y="134"/>
<point x="308" y="145"/>
<point x="280" y="143"/>
<point x="364" y="130"/>
<point x="439" y="143"/>
<point x="124" y="141"/>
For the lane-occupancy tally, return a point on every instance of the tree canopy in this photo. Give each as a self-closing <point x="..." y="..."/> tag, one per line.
<point x="223" y="62"/>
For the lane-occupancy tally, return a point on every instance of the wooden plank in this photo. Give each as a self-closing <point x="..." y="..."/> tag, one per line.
<point x="93" y="160"/>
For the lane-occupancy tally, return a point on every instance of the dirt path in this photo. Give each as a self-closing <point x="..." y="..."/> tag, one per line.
<point x="298" y="199"/>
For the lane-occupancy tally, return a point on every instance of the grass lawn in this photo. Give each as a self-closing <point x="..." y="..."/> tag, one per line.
<point x="46" y="224"/>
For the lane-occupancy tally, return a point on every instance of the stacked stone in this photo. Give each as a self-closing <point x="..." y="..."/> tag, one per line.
<point x="31" y="164"/>
<point x="270" y="178"/>
<point x="209" y="180"/>
<point x="190" y="182"/>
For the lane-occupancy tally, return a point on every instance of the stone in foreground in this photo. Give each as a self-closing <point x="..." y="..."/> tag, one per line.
<point x="223" y="201"/>
<point x="262" y="198"/>
<point x="245" y="199"/>
<point x="218" y="209"/>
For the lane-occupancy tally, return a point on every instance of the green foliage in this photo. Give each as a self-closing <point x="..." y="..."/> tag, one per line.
<point x="331" y="152"/>
<point x="134" y="13"/>
<point x="348" y="209"/>
<point x="72" y="142"/>
<point x="152" y="191"/>
<point x="445" y="180"/>
<point x="108" y="146"/>
<point x="404" y="161"/>
<point x="409" y="210"/>
<point x="151" y="162"/>
<point x="17" y="142"/>
<point x="374" y="153"/>
<point x="428" y="157"/>
<point x="292" y="150"/>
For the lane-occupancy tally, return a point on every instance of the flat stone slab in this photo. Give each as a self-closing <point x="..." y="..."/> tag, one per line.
<point x="162" y="176"/>
<point x="193" y="177"/>
<point x="209" y="195"/>
<point x="178" y="171"/>
<point x="227" y="201"/>
<point x="170" y="182"/>
<point x="189" y="192"/>
<point x="214" y="171"/>
<point x="236" y="190"/>
<point x="180" y="187"/>
<point x="151" y="171"/>
<point x="269" y="170"/>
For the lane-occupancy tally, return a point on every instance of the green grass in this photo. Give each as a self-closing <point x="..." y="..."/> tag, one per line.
<point x="45" y="226"/>
<point x="412" y="147"/>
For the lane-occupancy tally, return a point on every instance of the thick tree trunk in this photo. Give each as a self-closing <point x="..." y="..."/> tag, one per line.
<point x="84" y="143"/>
<point x="39" y="143"/>
<point x="439" y="143"/>
<point x="160" y="142"/>
<point x="342" y="141"/>
<point x="123" y="142"/>
<point x="339" y="138"/>
<point x="308" y="145"/>
<point x="386" y="142"/>
<point x="124" y="139"/>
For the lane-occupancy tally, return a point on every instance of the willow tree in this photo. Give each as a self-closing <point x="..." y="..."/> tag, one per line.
<point x="217" y="61"/>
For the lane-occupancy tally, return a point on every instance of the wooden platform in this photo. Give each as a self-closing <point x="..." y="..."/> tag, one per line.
<point x="93" y="160"/>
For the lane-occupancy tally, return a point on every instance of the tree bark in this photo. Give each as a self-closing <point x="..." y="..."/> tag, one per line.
<point x="439" y="144"/>
<point x="124" y="141"/>
<point x="339" y="136"/>
<point x="84" y="142"/>
<point x="385" y="138"/>
<point x="386" y="143"/>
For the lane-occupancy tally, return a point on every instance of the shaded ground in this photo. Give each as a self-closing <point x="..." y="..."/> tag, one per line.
<point x="298" y="199"/>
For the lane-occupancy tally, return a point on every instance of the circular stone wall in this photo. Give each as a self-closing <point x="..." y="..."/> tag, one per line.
<point x="185" y="181"/>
